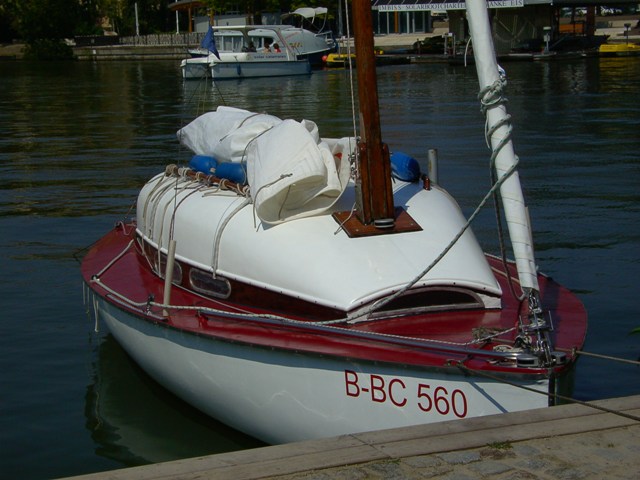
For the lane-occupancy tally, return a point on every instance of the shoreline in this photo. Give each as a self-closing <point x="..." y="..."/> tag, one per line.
<point x="390" y="42"/>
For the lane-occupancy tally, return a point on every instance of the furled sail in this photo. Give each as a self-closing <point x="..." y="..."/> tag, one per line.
<point x="292" y="172"/>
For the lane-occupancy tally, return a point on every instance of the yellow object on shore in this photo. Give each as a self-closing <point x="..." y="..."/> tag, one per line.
<point x="619" y="49"/>
<point x="334" y="60"/>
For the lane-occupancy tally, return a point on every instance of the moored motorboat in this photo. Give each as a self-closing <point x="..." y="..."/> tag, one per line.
<point x="305" y="30"/>
<point x="250" y="54"/>
<point x="295" y="286"/>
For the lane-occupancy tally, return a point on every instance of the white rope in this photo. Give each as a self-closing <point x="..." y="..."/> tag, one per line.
<point x="153" y="199"/>
<point x="114" y="260"/>
<point x="141" y="249"/>
<point x="96" y="325"/>
<point x="466" y="51"/>
<point x="142" y="306"/>
<point x="187" y="184"/>
<point x="341" y="225"/>
<point x="501" y="379"/>
<point x="266" y="185"/>
<point x="198" y="188"/>
<point x="249" y="315"/>
<point x="220" y="230"/>
<point x="150" y="303"/>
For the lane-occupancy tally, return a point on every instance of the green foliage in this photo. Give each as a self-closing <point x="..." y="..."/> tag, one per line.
<point x="48" y="49"/>
<point x="501" y="445"/>
<point x="32" y="20"/>
<point x="7" y="21"/>
<point x="37" y="19"/>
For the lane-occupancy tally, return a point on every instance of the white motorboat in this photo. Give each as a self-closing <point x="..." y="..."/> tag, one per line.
<point x="305" y="31"/>
<point x="245" y="52"/>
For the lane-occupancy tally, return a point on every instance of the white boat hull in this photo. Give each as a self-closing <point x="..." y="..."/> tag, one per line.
<point x="282" y="396"/>
<point x="195" y="68"/>
<point x="235" y="55"/>
<point x="243" y="65"/>
<point x="227" y="70"/>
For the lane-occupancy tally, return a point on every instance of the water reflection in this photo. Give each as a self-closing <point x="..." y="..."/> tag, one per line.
<point x="72" y="147"/>
<point x="134" y="421"/>
<point x="323" y="97"/>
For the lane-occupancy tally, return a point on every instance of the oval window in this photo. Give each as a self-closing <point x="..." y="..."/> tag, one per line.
<point x="204" y="282"/>
<point x="177" y="269"/>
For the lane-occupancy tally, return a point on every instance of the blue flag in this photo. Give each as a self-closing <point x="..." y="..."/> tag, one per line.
<point x="209" y="42"/>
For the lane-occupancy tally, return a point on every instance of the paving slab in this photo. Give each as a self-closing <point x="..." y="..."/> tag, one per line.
<point x="560" y="443"/>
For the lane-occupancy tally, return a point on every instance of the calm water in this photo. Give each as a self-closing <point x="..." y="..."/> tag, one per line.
<point x="77" y="141"/>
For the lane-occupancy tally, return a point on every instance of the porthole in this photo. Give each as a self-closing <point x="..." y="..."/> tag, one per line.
<point x="177" y="269"/>
<point x="204" y="282"/>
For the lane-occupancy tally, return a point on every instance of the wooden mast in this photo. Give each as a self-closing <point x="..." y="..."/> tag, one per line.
<point x="375" y="210"/>
<point x="374" y="192"/>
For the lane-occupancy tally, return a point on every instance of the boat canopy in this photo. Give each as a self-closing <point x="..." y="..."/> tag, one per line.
<point x="307" y="12"/>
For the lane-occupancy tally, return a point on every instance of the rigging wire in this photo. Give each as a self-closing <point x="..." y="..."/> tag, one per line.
<point x="351" y="91"/>
<point x="601" y="356"/>
<point x="462" y="230"/>
<point x="548" y="394"/>
<point x="490" y="97"/>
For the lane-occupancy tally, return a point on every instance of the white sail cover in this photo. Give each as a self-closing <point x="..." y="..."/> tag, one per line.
<point x="292" y="172"/>
<point x="225" y="133"/>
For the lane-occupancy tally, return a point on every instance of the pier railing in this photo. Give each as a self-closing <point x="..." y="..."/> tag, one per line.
<point x="161" y="39"/>
<point x="152" y="40"/>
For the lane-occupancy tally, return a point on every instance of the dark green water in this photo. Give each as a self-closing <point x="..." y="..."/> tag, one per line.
<point x="78" y="140"/>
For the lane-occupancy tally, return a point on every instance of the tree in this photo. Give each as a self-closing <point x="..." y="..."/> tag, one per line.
<point x="7" y="21"/>
<point x="51" y="19"/>
<point x="32" y="20"/>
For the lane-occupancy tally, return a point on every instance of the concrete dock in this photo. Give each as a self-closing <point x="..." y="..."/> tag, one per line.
<point x="564" y="442"/>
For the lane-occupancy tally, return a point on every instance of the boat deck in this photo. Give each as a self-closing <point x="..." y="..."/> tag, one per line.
<point x="427" y="338"/>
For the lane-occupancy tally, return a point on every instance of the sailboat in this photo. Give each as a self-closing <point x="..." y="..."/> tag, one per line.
<point x="295" y="287"/>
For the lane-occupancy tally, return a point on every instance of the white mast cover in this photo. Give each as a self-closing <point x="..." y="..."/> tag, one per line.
<point x="511" y="190"/>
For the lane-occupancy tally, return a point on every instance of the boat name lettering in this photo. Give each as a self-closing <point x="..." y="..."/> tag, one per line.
<point x="428" y="398"/>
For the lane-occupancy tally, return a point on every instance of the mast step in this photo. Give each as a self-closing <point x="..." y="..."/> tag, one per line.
<point x="355" y="229"/>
